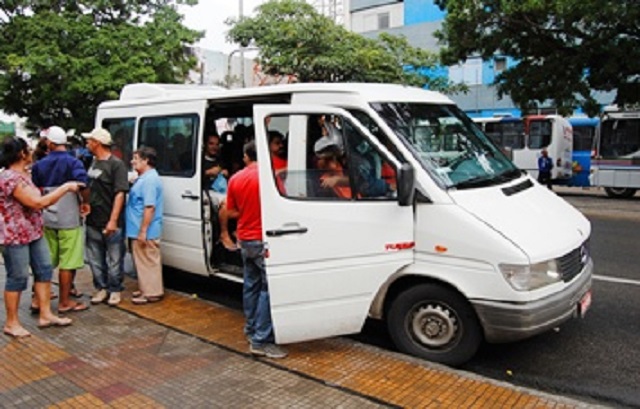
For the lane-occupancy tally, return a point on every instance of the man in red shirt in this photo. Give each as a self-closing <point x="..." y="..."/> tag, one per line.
<point x="243" y="203"/>
<point x="278" y="156"/>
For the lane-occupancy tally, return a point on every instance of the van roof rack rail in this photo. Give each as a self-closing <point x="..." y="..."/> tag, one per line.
<point x="150" y="91"/>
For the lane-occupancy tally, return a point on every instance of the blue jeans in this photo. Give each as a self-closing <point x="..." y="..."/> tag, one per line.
<point x="106" y="259"/>
<point x="18" y="259"/>
<point x="255" y="294"/>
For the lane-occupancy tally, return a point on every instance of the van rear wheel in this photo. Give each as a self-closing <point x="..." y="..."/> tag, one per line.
<point x="619" y="192"/>
<point x="435" y="323"/>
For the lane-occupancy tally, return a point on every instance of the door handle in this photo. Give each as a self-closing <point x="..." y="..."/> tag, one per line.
<point x="187" y="194"/>
<point x="284" y="232"/>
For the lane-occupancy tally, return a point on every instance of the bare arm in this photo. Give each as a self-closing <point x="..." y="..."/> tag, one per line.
<point x="30" y="197"/>
<point x="85" y="207"/>
<point x="224" y="214"/>
<point x="147" y="216"/>
<point x="118" y="203"/>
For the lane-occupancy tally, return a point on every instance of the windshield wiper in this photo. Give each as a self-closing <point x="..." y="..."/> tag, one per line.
<point x="509" y="175"/>
<point x="478" y="181"/>
<point x="484" y="180"/>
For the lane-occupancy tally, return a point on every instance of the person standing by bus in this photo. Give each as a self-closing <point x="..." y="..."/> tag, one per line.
<point x="24" y="247"/>
<point x="144" y="226"/>
<point x="62" y="221"/>
<point x="105" y="235"/>
<point x="545" y="164"/>
<point x="243" y="203"/>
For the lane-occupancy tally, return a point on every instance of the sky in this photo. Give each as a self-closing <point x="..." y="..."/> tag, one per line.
<point x="209" y="15"/>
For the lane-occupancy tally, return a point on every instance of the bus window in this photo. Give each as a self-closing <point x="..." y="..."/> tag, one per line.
<point x="583" y="137"/>
<point x="539" y="134"/>
<point x="506" y="134"/>
<point x="620" y="137"/>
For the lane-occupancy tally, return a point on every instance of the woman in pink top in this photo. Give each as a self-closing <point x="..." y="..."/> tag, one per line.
<point x="24" y="246"/>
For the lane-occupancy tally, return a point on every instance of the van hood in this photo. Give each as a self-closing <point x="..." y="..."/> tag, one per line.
<point x="535" y="219"/>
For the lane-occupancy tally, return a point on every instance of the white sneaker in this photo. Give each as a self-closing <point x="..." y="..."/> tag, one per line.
<point x="99" y="297"/>
<point x="114" y="299"/>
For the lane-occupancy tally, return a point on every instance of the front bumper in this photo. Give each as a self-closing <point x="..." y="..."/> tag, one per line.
<point x="505" y="322"/>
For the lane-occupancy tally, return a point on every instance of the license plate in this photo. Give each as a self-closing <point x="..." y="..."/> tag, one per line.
<point x="584" y="304"/>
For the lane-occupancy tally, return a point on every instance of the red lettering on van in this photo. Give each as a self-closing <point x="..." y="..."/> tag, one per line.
<point x="406" y="245"/>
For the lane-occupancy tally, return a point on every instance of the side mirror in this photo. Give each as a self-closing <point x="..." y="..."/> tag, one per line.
<point x="406" y="184"/>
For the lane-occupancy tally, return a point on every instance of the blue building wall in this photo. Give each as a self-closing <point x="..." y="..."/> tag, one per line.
<point x="420" y="11"/>
<point x="489" y="72"/>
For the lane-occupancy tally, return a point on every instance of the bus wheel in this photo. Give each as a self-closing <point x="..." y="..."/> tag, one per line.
<point x="435" y="323"/>
<point x="619" y="192"/>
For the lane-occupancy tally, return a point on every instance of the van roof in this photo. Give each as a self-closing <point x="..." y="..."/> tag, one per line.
<point x="134" y="94"/>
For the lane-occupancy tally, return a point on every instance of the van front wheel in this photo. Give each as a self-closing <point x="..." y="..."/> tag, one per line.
<point x="435" y="323"/>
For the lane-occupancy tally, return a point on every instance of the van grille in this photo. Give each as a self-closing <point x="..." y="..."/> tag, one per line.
<point x="572" y="263"/>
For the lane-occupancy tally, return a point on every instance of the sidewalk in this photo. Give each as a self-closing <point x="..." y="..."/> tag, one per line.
<point x="185" y="352"/>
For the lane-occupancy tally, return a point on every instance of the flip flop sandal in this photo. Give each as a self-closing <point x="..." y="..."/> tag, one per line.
<point x="59" y="322"/>
<point x="76" y="308"/>
<point x="136" y="294"/>
<point x="20" y="333"/>
<point x="139" y="300"/>
<point x="154" y="299"/>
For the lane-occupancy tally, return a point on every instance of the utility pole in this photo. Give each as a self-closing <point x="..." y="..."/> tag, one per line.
<point x="241" y="14"/>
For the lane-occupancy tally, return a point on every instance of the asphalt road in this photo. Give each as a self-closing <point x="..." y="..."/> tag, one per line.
<point x="596" y="359"/>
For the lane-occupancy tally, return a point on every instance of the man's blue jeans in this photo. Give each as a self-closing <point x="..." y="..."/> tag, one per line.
<point x="106" y="259"/>
<point x="255" y="294"/>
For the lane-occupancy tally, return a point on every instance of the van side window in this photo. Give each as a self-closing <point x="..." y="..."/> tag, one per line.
<point x="122" y="130"/>
<point x="374" y="176"/>
<point x="174" y="139"/>
<point x="329" y="159"/>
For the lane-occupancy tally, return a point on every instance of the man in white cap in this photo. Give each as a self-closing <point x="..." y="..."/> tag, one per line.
<point x="62" y="221"/>
<point x="105" y="236"/>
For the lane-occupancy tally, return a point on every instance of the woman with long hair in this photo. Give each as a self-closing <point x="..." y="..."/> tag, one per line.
<point x="21" y="207"/>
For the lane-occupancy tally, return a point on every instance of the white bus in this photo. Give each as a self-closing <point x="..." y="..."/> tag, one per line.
<point x="616" y="166"/>
<point x="522" y="139"/>
<point x="454" y="245"/>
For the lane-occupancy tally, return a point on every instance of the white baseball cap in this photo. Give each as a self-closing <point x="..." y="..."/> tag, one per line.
<point x="99" y="134"/>
<point x="56" y="135"/>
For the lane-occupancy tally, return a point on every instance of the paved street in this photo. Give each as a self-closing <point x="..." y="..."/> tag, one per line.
<point x="186" y="352"/>
<point x="190" y="352"/>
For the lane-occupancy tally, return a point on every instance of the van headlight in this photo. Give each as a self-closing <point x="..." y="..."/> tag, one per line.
<point x="532" y="276"/>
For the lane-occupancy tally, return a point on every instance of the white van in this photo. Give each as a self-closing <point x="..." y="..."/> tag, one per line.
<point x="435" y="230"/>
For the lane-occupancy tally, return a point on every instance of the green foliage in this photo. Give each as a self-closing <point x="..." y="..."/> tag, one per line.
<point x="294" y="39"/>
<point x="565" y="48"/>
<point x="60" y="58"/>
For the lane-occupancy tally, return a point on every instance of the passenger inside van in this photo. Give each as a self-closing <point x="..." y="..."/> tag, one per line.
<point x="332" y="181"/>
<point x="278" y="158"/>
<point x="368" y="165"/>
<point x="212" y="164"/>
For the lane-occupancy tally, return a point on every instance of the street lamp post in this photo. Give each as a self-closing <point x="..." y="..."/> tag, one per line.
<point x="240" y="50"/>
<point x="240" y="13"/>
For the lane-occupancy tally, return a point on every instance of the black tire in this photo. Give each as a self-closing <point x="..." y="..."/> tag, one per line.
<point x="436" y="323"/>
<point x="619" y="192"/>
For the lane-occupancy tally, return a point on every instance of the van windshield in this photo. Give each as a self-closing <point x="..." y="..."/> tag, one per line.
<point x="448" y="144"/>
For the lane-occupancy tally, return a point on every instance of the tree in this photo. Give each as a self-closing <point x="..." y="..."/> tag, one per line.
<point x="565" y="49"/>
<point x="294" y="39"/>
<point x="60" y="58"/>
